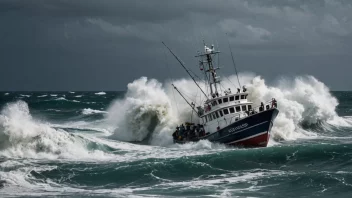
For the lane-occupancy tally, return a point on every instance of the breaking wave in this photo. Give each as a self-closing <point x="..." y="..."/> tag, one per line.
<point x="64" y="99"/>
<point x="23" y="136"/>
<point x="100" y="93"/>
<point x="150" y="111"/>
<point x="90" y="111"/>
<point x="145" y="113"/>
<point x="61" y="98"/>
<point x="304" y="103"/>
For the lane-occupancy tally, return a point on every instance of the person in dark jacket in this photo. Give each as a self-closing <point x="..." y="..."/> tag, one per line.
<point x="244" y="88"/>
<point x="261" y="108"/>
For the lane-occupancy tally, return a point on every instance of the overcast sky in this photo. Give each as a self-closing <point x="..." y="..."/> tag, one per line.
<point x="105" y="44"/>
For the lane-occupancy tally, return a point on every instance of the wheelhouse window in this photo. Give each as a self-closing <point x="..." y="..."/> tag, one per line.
<point x="226" y="111"/>
<point x="226" y="99"/>
<point x="237" y="97"/>
<point x="238" y="109"/>
<point x="244" y="108"/>
<point x="210" y="118"/>
<point x="219" y="101"/>
<point x="214" y="103"/>
<point x="242" y="96"/>
<point x="217" y="115"/>
<point x="221" y="114"/>
<point x="232" y="110"/>
<point x="232" y="98"/>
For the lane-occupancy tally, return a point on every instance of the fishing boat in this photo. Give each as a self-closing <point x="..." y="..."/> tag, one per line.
<point x="225" y="117"/>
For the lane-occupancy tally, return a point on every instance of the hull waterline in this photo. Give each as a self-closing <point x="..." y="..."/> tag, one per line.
<point x="251" y="131"/>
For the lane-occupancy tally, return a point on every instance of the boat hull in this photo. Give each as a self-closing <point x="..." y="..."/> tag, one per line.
<point x="252" y="131"/>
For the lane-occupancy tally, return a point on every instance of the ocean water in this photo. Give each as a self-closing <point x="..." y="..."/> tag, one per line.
<point x="118" y="144"/>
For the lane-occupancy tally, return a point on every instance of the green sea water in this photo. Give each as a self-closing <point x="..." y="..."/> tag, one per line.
<point x="64" y="144"/>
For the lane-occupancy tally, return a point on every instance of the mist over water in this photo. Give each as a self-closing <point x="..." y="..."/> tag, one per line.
<point x="119" y="144"/>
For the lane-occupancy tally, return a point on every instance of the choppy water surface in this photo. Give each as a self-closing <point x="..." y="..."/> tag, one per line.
<point x="118" y="144"/>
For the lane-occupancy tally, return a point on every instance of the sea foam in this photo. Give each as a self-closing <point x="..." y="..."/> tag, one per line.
<point x="145" y="109"/>
<point x="150" y="110"/>
<point x="23" y="136"/>
<point x="89" y="111"/>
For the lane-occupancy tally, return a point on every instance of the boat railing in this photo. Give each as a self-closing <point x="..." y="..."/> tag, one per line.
<point x="256" y="109"/>
<point x="266" y="106"/>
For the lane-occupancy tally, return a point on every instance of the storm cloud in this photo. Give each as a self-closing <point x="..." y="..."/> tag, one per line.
<point x="103" y="45"/>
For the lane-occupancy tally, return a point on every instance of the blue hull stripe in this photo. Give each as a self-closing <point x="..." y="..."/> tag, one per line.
<point x="250" y="126"/>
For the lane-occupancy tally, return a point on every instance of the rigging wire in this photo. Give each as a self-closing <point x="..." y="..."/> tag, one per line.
<point x="191" y="105"/>
<point x="186" y="69"/>
<point x="189" y="96"/>
<point x="228" y="80"/>
<point x="233" y="61"/>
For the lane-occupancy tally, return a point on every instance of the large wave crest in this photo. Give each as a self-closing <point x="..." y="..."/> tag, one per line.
<point x="23" y="136"/>
<point x="150" y="111"/>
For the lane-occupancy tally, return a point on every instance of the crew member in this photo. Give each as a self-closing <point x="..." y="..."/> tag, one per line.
<point x="261" y="107"/>
<point x="244" y="88"/>
<point x="273" y="103"/>
<point x="201" y="132"/>
<point x="176" y="133"/>
<point x="182" y="130"/>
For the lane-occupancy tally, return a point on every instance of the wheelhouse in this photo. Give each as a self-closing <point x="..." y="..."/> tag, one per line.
<point x="223" y="110"/>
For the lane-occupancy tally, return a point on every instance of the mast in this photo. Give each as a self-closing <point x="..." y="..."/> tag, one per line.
<point x="214" y="79"/>
<point x="184" y="67"/>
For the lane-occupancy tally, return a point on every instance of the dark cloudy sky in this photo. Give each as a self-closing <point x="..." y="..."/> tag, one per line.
<point x="105" y="44"/>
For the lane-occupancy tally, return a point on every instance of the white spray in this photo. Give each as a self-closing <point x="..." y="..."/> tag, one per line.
<point x="146" y="108"/>
<point x="23" y="136"/>
<point x="300" y="100"/>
